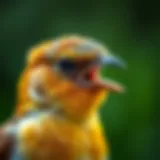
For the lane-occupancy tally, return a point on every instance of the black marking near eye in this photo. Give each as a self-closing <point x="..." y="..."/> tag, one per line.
<point x="67" y="65"/>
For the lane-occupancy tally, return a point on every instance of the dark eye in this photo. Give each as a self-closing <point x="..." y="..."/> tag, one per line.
<point x="66" y="65"/>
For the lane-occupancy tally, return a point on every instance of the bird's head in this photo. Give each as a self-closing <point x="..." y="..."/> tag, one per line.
<point x="76" y="63"/>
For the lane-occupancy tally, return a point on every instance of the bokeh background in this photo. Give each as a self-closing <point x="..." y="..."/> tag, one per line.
<point x="129" y="28"/>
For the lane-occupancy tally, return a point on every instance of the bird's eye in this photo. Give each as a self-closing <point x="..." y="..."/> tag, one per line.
<point x="66" y="65"/>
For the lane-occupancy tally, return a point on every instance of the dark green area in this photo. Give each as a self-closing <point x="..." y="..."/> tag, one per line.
<point x="131" y="29"/>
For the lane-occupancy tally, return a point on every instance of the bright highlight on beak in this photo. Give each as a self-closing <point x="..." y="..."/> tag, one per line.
<point x="113" y="61"/>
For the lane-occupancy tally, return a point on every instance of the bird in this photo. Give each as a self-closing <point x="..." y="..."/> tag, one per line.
<point x="59" y="96"/>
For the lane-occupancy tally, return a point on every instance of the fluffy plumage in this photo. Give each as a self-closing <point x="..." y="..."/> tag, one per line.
<point x="59" y="95"/>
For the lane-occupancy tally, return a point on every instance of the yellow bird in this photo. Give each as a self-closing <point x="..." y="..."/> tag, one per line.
<point x="59" y="96"/>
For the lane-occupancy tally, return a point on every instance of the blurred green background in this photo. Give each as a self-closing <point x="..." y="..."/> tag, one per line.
<point x="131" y="29"/>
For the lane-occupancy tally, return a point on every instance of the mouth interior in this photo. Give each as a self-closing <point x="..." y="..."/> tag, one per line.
<point x="91" y="75"/>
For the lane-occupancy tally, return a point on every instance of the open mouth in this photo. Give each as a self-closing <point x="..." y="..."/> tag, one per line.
<point x="90" y="77"/>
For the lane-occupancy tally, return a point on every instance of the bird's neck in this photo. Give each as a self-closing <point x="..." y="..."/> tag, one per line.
<point x="80" y="105"/>
<point x="58" y="114"/>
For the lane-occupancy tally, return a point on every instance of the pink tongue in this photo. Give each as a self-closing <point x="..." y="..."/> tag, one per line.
<point x="92" y="73"/>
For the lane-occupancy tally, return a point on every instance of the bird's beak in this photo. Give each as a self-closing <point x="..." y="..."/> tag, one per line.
<point x="113" y="61"/>
<point x="110" y="85"/>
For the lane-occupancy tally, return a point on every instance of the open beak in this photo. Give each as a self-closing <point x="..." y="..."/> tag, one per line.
<point x="94" y="78"/>
<point x="110" y="85"/>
